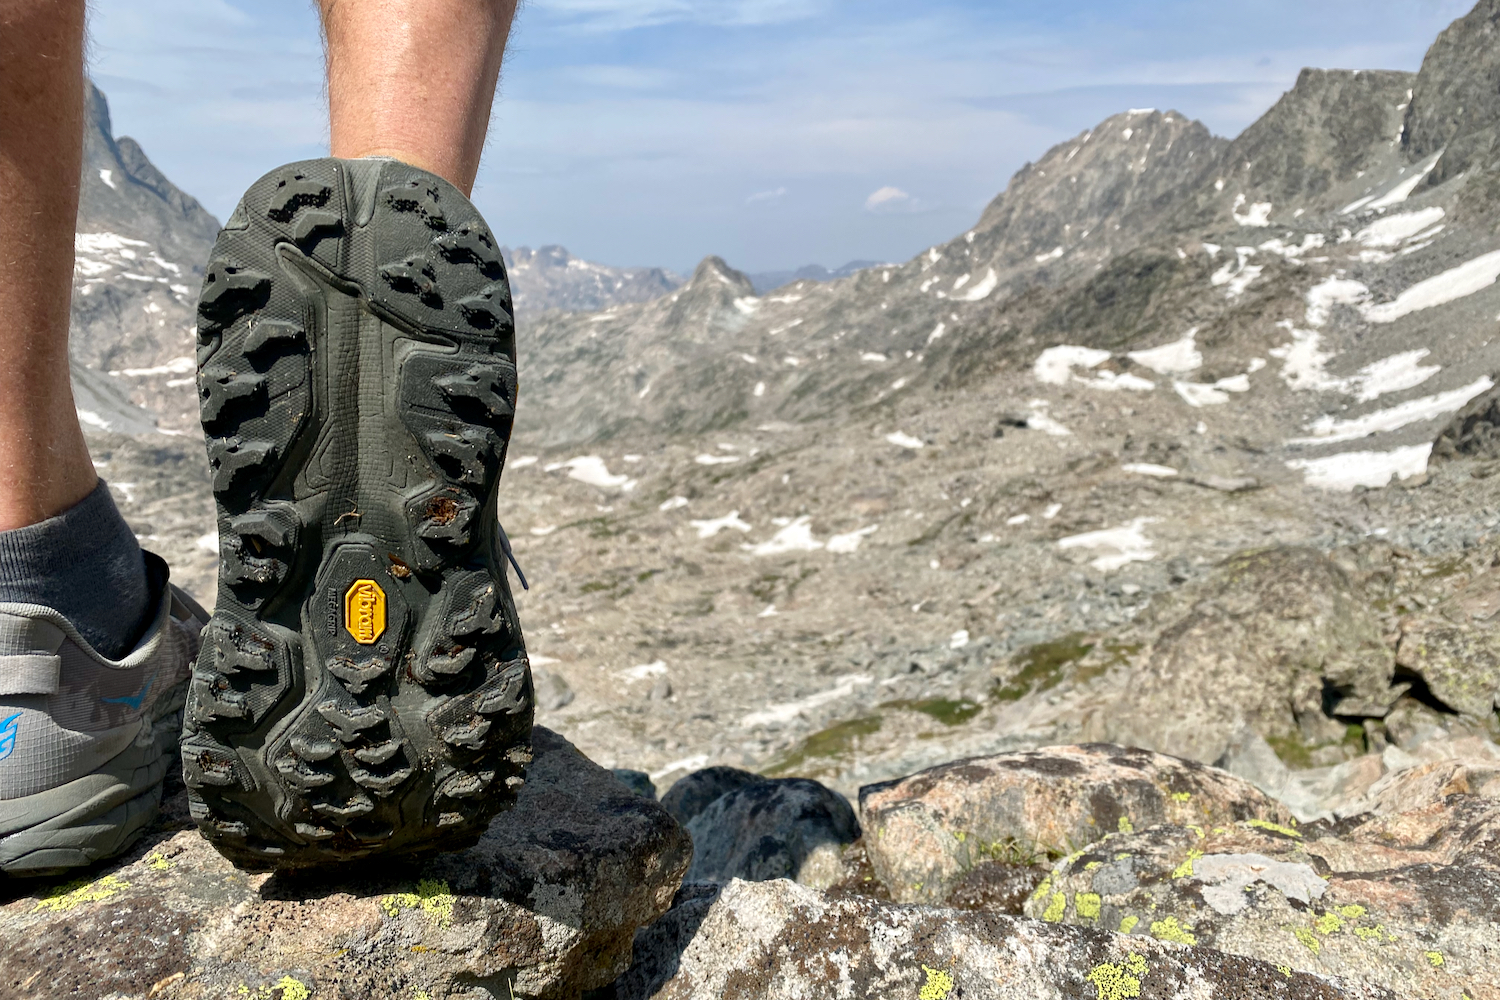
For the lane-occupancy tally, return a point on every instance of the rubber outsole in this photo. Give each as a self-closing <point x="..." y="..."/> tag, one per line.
<point x="363" y="686"/>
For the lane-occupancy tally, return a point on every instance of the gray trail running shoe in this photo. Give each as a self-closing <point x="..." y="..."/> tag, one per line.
<point x="85" y="741"/>
<point x="363" y="687"/>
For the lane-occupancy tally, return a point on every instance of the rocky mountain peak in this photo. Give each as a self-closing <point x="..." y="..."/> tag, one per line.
<point x="716" y="299"/>
<point x="140" y="247"/>
<point x="1333" y="127"/>
<point x="1081" y="189"/>
<point x="1453" y="110"/>
<point x="124" y="193"/>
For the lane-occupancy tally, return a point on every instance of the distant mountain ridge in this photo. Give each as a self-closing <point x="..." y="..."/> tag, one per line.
<point x="550" y="278"/>
<point x="766" y="281"/>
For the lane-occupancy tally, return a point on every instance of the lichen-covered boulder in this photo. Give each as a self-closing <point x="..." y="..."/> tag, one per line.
<point x="1255" y="644"/>
<point x="1432" y="782"/>
<point x="925" y="831"/>
<point x="1410" y="902"/>
<point x="781" y="941"/>
<point x="1457" y="656"/>
<point x="545" y="905"/>
<point x="785" y="828"/>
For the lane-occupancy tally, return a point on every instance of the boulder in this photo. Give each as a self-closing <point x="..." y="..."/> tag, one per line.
<point x="1431" y="783"/>
<point x="787" y="828"/>
<point x="1474" y="432"/>
<point x="697" y="791"/>
<point x="925" y="831"/>
<point x="545" y="905"/>
<point x="1409" y="902"/>
<point x="553" y="692"/>
<point x="1459" y="660"/>
<point x="779" y="941"/>
<point x="638" y="782"/>
<point x="1276" y="640"/>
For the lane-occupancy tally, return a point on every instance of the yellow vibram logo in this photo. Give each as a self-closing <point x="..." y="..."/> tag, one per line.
<point x="364" y="611"/>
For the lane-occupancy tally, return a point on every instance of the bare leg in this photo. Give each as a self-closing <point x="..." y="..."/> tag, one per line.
<point x="44" y="464"/>
<point x="415" y="79"/>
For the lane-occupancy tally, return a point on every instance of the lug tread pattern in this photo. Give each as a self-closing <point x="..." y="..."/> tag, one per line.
<point x="316" y="744"/>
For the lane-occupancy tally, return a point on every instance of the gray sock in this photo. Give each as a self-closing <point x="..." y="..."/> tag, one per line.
<point x="86" y="564"/>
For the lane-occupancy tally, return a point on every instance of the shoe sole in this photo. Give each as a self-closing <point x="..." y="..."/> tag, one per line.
<point x="363" y="686"/>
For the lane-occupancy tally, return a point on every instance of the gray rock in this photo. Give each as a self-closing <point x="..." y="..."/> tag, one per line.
<point x="1474" y="432"/>
<point x="786" y="828"/>
<point x="781" y="941"/>
<point x="1458" y="657"/>
<point x="924" y="832"/>
<point x="552" y="689"/>
<point x="545" y="905"/>
<point x="1250" y="757"/>
<point x="638" y="782"/>
<point x="696" y="792"/>
<point x="1257" y="643"/>
<point x="1408" y="902"/>
<point x="661" y="690"/>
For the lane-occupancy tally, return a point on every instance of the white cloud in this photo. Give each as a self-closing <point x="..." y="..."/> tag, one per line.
<point x="625" y="127"/>
<point x="766" y="197"/>
<point x="890" y="199"/>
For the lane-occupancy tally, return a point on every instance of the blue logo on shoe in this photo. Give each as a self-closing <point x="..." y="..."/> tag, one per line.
<point x="10" y="727"/>
<point x="132" y="701"/>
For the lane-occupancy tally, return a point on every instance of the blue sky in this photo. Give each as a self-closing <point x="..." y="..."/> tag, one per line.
<point x="659" y="131"/>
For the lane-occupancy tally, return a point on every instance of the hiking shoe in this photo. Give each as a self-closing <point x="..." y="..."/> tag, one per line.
<point x="85" y="741"/>
<point x="362" y="687"/>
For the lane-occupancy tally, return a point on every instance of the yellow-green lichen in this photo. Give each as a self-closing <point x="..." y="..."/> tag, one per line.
<point x="1185" y="870"/>
<point x="1171" y="929"/>
<point x="1352" y="912"/>
<point x="1265" y="824"/>
<point x="158" y="862"/>
<point x="75" y="894"/>
<point x="1198" y="830"/>
<point x="1056" y="908"/>
<point x="1435" y="959"/>
<point x="1181" y="796"/>
<point x="1308" y="939"/>
<point x="939" y="984"/>
<point x="433" y="897"/>
<point x="1092" y="865"/>
<point x="290" y="989"/>
<point x="293" y="989"/>
<point x="1285" y="970"/>
<point x="1328" y="923"/>
<point x="1128" y="924"/>
<point x="1125" y="826"/>
<point x="1368" y="933"/>
<point x="1118" y="982"/>
<point x="1088" y="904"/>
